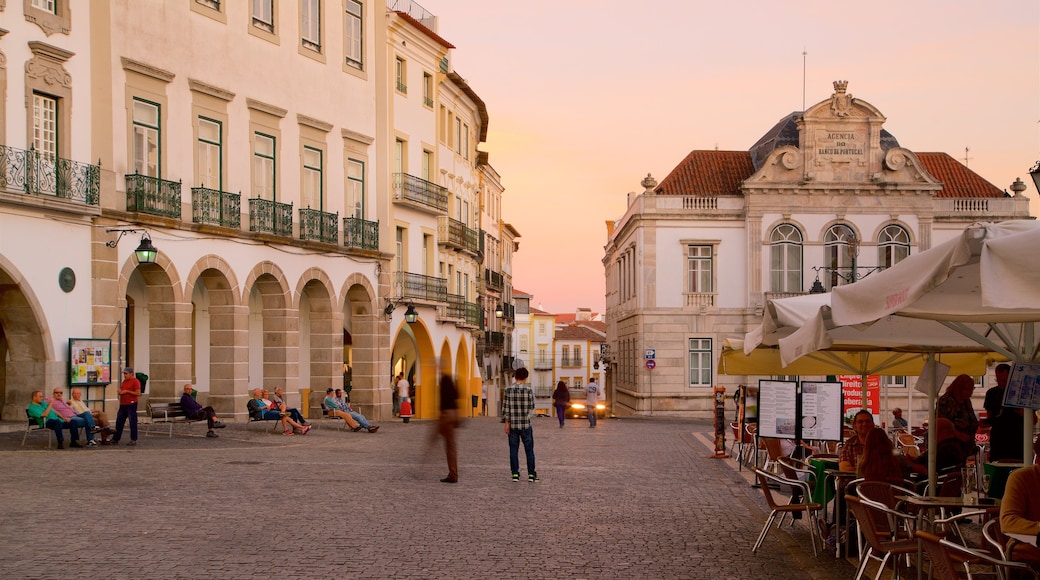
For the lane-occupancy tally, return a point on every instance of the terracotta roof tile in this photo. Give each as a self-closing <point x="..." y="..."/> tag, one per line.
<point x="957" y="179"/>
<point x="708" y="173"/>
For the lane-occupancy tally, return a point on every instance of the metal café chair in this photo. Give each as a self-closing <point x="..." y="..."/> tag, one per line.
<point x="777" y="508"/>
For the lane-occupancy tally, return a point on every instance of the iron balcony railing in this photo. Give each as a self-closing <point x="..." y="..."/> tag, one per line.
<point x="542" y="363"/>
<point x="494" y="280"/>
<point x="319" y="225"/>
<point x="417" y="190"/>
<point x="215" y="207"/>
<point x="508" y="311"/>
<point x="455" y="234"/>
<point x="421" y="287"/>
<point x="474" y="315"/>
<point x="270" y="217"/>
<point x="359" y="233"/>
<point x="495" y="340"/>
<point x="153" y="195"/>
<point x="456" y="307"/>
<point x="44" y="174"/>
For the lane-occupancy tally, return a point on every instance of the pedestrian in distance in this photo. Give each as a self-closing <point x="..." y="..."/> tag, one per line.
<point x="517" y="408"/>
<point x="446" y="424"/>
<point x="591" y="400"/>
<point x="561" y="400"/>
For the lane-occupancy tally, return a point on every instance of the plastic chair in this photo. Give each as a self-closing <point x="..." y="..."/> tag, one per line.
<point x="881" y="544"/>
<point x="950" y="560"/>
<point x="812" y="510"/>
<point x="33" y="427"/>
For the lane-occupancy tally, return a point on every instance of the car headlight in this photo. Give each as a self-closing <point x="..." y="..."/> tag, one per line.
<point x="577" y="406"/>
<point x="601" y="406"/>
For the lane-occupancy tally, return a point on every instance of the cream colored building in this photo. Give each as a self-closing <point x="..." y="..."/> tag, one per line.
<point x="825" y="194"/>
<point x="307" y="170"/>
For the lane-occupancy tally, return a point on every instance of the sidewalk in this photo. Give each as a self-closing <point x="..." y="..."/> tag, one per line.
<point x="635" y="497"/>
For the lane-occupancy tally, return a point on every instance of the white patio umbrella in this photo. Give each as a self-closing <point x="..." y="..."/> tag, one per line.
<point x="984" y="284"/>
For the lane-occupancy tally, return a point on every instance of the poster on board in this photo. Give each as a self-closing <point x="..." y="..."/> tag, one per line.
<point x="777" y="409"/>
<point x="822" y="411"/>
<point x="1023" y="388"/>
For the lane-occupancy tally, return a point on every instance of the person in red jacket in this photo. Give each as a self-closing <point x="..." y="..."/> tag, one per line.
<point x="129" y="391"/>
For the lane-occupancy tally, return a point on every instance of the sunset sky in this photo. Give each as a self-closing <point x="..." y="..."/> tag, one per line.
<point x="585" y="98"/>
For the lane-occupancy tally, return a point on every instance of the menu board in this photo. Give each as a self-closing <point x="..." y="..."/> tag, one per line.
<point x="821" y="411"/>
<point x="777" y="409"/>
<point x="1023" y="388"/>
<point x="90" y="361"/>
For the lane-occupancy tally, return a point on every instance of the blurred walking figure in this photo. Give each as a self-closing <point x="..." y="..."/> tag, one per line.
<point x="561" y="399"/>
<point x="446" y="424"/>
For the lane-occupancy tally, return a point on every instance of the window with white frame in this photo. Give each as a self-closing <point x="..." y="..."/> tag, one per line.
<point x="401" y="75"/>
<point x="355" y="190"/>
<point x="399" y="148"/>
<point x="785" y="259"/>
<point x="523" y="343"/>
<point x="214" y="4"/>
<point x="700" y="362"/>
<point x="465" y="140"/>
<point x="399" y="253"/>
<point x="427" y="89"/>
<point x="840" y="249"/>
<point x="310" y="24"/>
<point x="263" y="14"/>
<point x="698" y="268"/>
<point x="427" y="165"/>
<point x="264" y="184"/>
<point x="209" y="153"/>
<point x="45" y="125"/>
<point x="353" y="35"/>
<point x="893" y="246"/>
<point x="146" y="138"/>
<point x="312" y="179"/>
<point x="45" y="5"/>
<point x="458" y="135"/>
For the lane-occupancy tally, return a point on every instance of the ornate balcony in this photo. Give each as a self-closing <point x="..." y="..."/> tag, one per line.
<point x="494" y="340"/>
<point x="359" y="233"/>
<point x="420" y="194"/>
<point x="494" y="280"/>
<point x="543" y="363"/>
<point x="153" y="195"/>
<point x="215" y="207"/>
<point x="319" y="226"/>
<point x="43" y="174"/>
<point x="420" y="287"/>
<point x="270" y="217"/>
<point x="457" y="235"/>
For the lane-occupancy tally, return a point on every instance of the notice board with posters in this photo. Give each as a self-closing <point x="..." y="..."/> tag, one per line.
<point x="90" y="362"/>
<point x="1023" y="388"/>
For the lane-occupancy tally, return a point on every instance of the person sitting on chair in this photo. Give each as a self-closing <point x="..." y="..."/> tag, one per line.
<point x="263" y="409"/>
<point x="1020" y="515"/>
<point x="279" y="403"/>
<point x="193" y="410"/>
<point x="333" y="409"/>
<point x="100" y="418"/>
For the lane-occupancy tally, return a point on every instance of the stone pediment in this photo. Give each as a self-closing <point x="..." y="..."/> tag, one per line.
<point x="841" y="145"/>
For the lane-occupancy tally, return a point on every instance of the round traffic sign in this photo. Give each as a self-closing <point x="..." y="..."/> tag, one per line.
<point x="650" y="364"/>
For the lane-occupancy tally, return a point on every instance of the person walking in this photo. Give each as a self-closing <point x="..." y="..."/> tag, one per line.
<point x="129" y="392"/>
<point x="517" y="407"/>
<point x="561" y="400"/>
<point x="446" y="424"/>
<point x="591" y="400"/>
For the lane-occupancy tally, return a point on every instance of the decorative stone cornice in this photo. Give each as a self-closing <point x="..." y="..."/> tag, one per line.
<point x="50" y="51"/>
<point x="46" y="65"/>
<point x="265" y="108"/>
<point x="206" y="89"/>
<point x="357" y="137"/>
<point x="147" y="70"/>
<point x="313" y="123"/>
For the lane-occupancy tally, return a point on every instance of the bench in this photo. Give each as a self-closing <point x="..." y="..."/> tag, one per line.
<point x="168" y="413"/>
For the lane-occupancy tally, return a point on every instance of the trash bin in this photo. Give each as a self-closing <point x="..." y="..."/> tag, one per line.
<point x="476" y="400"/>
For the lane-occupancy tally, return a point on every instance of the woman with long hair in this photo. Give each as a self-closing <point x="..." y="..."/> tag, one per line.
<point x="879" y="462"/>
<point x="561" y="399"/>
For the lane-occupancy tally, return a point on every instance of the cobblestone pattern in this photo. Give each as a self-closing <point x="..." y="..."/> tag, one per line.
<point x="633" y="498"/>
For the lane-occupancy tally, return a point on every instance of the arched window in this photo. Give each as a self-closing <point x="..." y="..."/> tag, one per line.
<point x="893" y="246"/>
<point x="785" y="259"/>
<point x="840" y="250"/>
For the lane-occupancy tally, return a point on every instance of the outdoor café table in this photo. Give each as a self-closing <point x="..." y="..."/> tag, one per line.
<point x="840" y="479"/>
<point x="925" y="505"/>
<point x="998" y="474"/>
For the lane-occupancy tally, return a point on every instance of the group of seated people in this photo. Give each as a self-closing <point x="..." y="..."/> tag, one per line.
<point x="265" y="406"/>
<point x="57" y="415"/>
<point x="336" y="405"/>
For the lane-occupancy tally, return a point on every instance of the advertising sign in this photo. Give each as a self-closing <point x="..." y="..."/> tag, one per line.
<point x="90" y="362"/>
<point x="852" y="393"/>
<point x="1023" y="388"/>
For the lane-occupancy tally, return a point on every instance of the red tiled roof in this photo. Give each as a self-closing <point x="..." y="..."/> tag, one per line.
<point x="957" y="179"/>
<point x="578" y="332"/>
<point x="433" y="35"/>
<point x="708" y="173"/>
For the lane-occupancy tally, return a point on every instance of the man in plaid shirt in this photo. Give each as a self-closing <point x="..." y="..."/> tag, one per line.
<point x="517" y="408"/>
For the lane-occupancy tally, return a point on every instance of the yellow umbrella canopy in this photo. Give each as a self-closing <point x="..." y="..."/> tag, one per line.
<point x="765" y="361"/>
